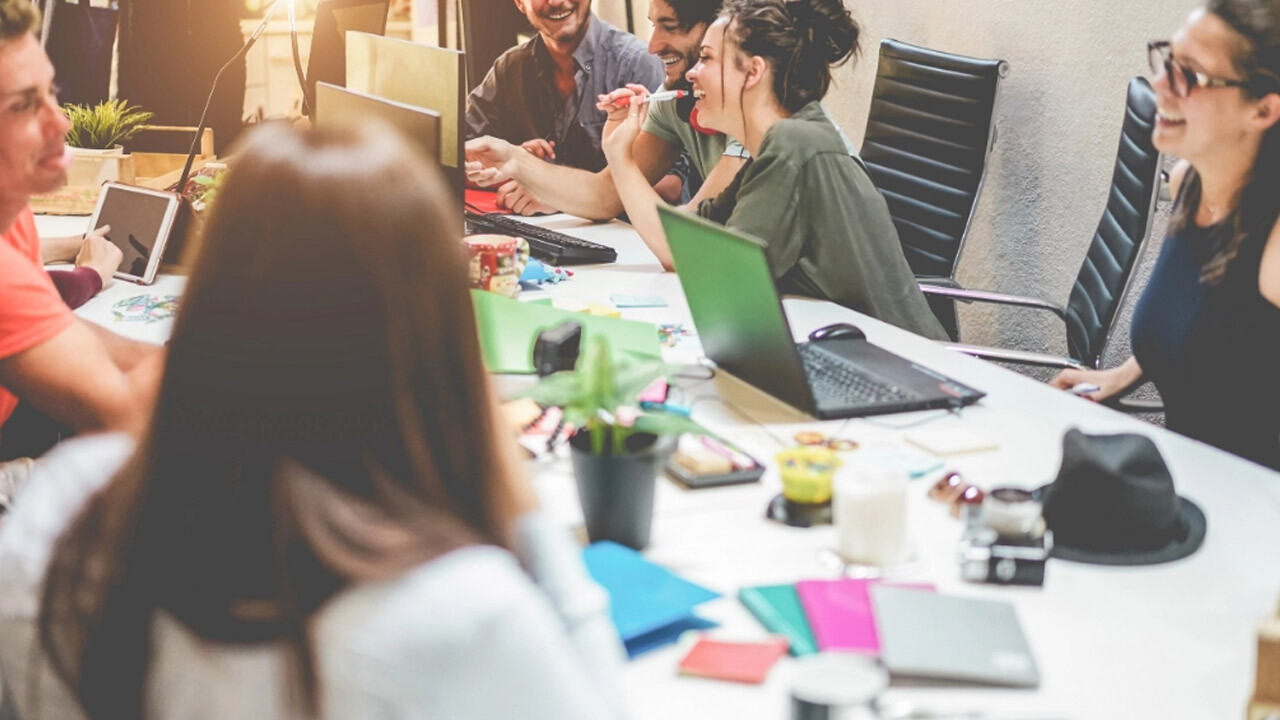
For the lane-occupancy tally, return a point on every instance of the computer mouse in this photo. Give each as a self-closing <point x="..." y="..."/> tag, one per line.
<point x="838" y="331"/>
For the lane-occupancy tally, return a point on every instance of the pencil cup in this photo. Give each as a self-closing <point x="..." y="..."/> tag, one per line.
<point x="496" y="262"/>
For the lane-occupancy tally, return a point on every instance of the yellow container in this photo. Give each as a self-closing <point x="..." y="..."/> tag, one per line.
<point x="806" y="474"/>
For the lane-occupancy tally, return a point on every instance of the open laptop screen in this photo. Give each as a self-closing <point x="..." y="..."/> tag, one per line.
<point x="735" y="307"/>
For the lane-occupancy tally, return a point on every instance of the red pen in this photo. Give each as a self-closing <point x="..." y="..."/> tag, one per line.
<point x="654" y="97"/>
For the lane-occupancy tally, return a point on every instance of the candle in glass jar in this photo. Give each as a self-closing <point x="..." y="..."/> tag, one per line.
<point x="870" y="509"/>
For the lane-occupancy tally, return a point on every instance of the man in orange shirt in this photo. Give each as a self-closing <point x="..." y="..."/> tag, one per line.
<point x="77" y="373"/>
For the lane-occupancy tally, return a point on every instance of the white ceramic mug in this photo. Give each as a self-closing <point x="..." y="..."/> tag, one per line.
<point x="870" y="511"/>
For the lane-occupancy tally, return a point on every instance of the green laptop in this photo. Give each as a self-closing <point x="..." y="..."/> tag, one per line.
<point x="743" y="329"/>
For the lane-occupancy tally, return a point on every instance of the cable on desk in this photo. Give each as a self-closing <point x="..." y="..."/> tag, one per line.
<point x="711" y="373"/>
<point x="708" y="372"/>
<point x="916" y="422"/>
<point x="742" y="414"/>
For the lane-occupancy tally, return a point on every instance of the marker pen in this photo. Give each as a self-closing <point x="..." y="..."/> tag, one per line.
<point x="654" y="97"/>
<point x="1084" y="388"/>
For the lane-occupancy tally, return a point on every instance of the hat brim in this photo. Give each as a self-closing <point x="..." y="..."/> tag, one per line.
<point x="1193" y="520"/>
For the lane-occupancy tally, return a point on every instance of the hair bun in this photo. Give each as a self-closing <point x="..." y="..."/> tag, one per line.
<point x="827" y="26"/>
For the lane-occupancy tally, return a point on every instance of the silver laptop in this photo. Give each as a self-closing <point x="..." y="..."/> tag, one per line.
<point x="945" y="637"/>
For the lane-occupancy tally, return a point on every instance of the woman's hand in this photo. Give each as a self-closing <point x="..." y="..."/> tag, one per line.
<point x="617" y="143"/>
<point x="100" y="254"/>
<point x="1109" y="382"/>
<point x="617" y="104"/>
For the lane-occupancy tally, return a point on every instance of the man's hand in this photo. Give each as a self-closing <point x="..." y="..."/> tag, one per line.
<point x="489" y="161"/>
<point x="541" y="149"/>
<point x="101" y="254"/>
<point x="517" y="198"/>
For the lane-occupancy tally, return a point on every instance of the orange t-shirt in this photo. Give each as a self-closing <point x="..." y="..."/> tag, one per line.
<point x="31" y="311"/>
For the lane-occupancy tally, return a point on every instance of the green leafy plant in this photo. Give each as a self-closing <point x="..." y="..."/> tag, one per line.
<point x="206" y="190"/>
<point x="597" y="388"/>
<point x="105" y="125"/>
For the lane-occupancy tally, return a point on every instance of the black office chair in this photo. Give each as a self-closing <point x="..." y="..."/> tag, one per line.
<point x="1107" y="271"/>
<point x="929" y="133"/>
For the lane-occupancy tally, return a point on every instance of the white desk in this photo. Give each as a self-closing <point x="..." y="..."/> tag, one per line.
<point x="101" y="309"/>
<point x="1170" y="641"/>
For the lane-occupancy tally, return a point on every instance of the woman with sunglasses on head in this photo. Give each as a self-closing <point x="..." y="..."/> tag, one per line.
<point x="763" y="66"/>
<point x="324" y="518"/>
<point x="1206" y="330"/>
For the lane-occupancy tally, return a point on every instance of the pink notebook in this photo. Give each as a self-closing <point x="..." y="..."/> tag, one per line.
<point x="841" y="615"/>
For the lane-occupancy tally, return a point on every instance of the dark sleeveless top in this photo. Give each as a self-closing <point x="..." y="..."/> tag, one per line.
<point x="1213" y="351"/>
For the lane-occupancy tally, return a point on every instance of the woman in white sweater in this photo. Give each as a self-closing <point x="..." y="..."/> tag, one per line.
<point x="325" y="518"/>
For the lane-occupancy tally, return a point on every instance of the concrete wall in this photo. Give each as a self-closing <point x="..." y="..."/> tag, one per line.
<point x="1058" y="122"/>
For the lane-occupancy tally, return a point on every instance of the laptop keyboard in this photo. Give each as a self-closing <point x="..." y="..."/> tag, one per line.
<point x="836" y="379"/>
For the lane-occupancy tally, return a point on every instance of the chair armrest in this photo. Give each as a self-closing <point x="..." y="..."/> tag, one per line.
<point x="1017" y="357"/>
<point x="1122" y="402"/>
<point x="1132" y="406"/>
<point x="993" y="297"/>
<point x="938" y="281"/>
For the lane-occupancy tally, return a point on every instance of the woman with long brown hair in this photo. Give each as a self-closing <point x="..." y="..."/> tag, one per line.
<point x="321" y="520"/>
<point x="1207" y="328"/>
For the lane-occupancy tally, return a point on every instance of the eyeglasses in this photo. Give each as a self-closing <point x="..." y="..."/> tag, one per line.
<point x="1181" y="78"/>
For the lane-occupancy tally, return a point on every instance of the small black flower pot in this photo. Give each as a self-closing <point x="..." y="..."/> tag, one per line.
<point x="616" y="491"/>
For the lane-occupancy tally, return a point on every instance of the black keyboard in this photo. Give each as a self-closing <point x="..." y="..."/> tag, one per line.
<point x="549" y="246"/>
<point x="836" y="379"/>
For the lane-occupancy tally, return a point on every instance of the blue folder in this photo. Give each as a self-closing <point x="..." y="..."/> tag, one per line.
<point x="650" y="605"/>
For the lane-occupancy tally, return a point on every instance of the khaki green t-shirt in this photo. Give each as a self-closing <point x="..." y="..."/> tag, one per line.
<point x="704" y="150"/>
<point x="826" y="228"/>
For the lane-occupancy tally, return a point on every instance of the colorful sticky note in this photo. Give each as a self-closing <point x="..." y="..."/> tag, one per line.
<point x="744" y="662"/>
<point x="638" y="301"/>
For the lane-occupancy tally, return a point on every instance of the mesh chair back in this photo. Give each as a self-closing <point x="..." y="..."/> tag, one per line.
<point x="928" y="135"/>
<point x="1117" y="244"/>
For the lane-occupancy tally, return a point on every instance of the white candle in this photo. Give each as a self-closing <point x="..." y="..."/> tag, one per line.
<point x="870" y="506"/>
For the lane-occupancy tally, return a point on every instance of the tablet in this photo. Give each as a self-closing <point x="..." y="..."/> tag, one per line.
<point x="141" y="221"/>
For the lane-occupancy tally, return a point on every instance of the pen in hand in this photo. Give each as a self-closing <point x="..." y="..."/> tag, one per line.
<point x="663" y="96"/>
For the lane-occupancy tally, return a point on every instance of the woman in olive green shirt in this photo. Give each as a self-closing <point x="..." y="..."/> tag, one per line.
<point x="763" y="67"/>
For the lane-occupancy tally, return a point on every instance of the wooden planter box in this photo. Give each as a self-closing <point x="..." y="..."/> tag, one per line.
<point x="155" y="160"/>
<point x="84" y="182"/>
<point x="159" y="152"/>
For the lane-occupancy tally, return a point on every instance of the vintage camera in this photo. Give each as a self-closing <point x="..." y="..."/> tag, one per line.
<point x="1005" y="540"/>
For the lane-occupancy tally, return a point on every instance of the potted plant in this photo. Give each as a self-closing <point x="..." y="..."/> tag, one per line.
<point x="95" y="136"/>
<point x="617" y="450"/>
<point x="105" y="126"/>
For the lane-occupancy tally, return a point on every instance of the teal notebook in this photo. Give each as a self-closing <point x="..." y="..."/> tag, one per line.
<point x="507" y="329"/>
<point x="778" y="608"/>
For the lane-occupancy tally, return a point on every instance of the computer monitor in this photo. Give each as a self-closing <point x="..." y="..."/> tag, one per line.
<point x="417" y="75"/>
<point x="340" y="106"/>
<point x="334" y="19"/>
